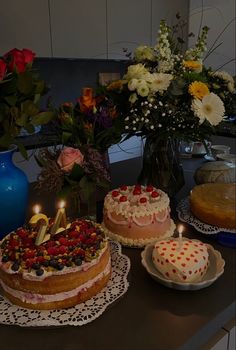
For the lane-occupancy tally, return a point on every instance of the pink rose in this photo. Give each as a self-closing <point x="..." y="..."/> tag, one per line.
<point x="68" y="157"/>
<point x="3" y="67"/>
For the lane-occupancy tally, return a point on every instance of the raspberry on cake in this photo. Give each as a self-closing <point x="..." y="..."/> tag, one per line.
<point x="137" y="215"/>
<point x="187" y="262"/>
<point x="66" y="270"/>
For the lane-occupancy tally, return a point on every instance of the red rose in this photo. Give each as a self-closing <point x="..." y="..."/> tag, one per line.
<point x="29" y="55"/>
<point x="16" y="60"/>
<point x="3" y="67"/>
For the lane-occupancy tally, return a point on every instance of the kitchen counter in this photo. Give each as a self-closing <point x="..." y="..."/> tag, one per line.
<point x="149" y="316"/>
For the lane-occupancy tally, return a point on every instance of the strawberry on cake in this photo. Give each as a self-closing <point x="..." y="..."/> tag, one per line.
<point x="137" y="215"/>
<point x="185" y="261"/>
<point x="69" y="268"/>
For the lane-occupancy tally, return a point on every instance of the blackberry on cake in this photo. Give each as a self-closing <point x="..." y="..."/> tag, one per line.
<point x="69" y="268"/>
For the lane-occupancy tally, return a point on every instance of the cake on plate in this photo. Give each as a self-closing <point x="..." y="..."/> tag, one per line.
<point x="137" y="215"/>
<point x="214" y="204"/>
<point x="184" y="261"/>
<point x="67" y="269"/>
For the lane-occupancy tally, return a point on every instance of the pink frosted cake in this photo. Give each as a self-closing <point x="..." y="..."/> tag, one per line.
<point x="185" y="262"/>
<point x="137" y="215"/>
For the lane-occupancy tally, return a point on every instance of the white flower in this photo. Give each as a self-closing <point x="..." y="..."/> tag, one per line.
<point x="231" y="87"/>
<point x="136" y="71"/>
<point x="223" y="75"/>
<point x="160" y="82"/>
<point x="132" y="84"/>
<point x="144" y="53"/>
<point x="210" y="108"/>
<point x="142" y="88"/>
<point x="133" y="98"/>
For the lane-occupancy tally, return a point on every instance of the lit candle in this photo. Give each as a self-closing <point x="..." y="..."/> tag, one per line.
<point x="38" y="217"/>
<point x="60" y="219"/>
<point x="180" y="230"/>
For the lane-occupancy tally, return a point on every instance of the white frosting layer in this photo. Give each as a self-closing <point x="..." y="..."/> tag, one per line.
<point x="40" y="298"/>
<point x="181" y="261"/>
<point x="132" y="208"/>
<point x="32" y="274"/>
<point x="142" y="242"/>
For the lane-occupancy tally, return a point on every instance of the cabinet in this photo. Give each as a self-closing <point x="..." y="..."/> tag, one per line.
<point x="78" y="28"/>
<point x="128" y="25"/>
<point x="25" y="24"/>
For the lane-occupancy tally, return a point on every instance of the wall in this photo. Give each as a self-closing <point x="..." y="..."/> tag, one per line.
<point x="219" y="16"/>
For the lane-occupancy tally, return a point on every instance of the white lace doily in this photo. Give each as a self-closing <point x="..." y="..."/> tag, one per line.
<point x="184" y="214"/>
<point x="80" y="314"/>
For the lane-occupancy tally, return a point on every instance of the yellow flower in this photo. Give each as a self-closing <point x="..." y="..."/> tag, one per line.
<point x="198" y="89"/>
<point x="195" y="66"/>
<point x="116" y="85"/>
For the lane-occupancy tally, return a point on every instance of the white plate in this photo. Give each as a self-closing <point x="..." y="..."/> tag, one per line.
<point x="214" y="271"/>
<point x="209" y="158"/>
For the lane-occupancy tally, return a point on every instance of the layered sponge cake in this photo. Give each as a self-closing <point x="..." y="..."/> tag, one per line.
<point x="137" y="215"/>
<point x="71" y="267"/>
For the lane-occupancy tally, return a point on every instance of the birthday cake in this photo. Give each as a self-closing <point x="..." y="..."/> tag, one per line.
<point x="181" y="261"/>
<point x="68" y="268"/>
<point x="137" y="215"/>
<point x="214" y="204"/>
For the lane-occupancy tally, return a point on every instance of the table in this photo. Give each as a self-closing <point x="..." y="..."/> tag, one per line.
<point x="149" y="316"/>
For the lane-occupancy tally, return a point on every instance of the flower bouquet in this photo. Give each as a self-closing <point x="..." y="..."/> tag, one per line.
<point x="20" y="91"/>
<point x="172" y="96"/>
<point x="81" y="166"/>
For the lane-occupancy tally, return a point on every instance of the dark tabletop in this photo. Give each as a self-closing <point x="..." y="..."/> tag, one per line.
<point x="149" y="315"/>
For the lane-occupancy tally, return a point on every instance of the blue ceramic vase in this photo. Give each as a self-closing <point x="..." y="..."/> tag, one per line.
<point x="14" y="188"/>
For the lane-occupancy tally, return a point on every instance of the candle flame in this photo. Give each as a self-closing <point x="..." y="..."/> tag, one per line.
<point x="36" y="208"/>
<point x="62" y="204"/>
<point x="180" y="229"/>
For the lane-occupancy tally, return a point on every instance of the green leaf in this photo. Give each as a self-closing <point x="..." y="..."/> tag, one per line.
<point x="11" y="100"/>
<point x="65" y="137"/>
<point x="29" y="108"/>
<point x="29" y="128"/>
<point x="22" y="119"/>
<point x="77" y="173"/>
<point x="42" y="118"/>
<point x="25" y="83"/>
<point x="5" y="141"/>
<point x="22" y="150"/>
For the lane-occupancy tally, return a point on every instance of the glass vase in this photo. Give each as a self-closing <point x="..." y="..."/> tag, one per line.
<point x="161" y="165"/>
<point x="13" y="194"/>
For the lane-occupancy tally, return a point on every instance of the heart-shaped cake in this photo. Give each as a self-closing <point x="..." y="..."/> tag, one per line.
<point x="181" y="260"/>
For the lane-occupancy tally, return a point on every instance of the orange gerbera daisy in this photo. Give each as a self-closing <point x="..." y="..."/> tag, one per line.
<point x="198" y="89"/>
<point x="193" y="65"/>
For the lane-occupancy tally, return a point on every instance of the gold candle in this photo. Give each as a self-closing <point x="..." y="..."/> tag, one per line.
<point x="60" y="220"/>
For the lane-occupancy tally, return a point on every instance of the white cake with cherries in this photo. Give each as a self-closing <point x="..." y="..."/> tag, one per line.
<point x="181" y="261"/>
<point x="137" y="215"/>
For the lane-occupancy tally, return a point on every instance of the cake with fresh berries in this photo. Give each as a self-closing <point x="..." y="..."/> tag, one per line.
<point x="69" y="268"/>
<point x="185" y="261"/>
<point x="214" y="204"/>
<point x="137" y="215"/>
